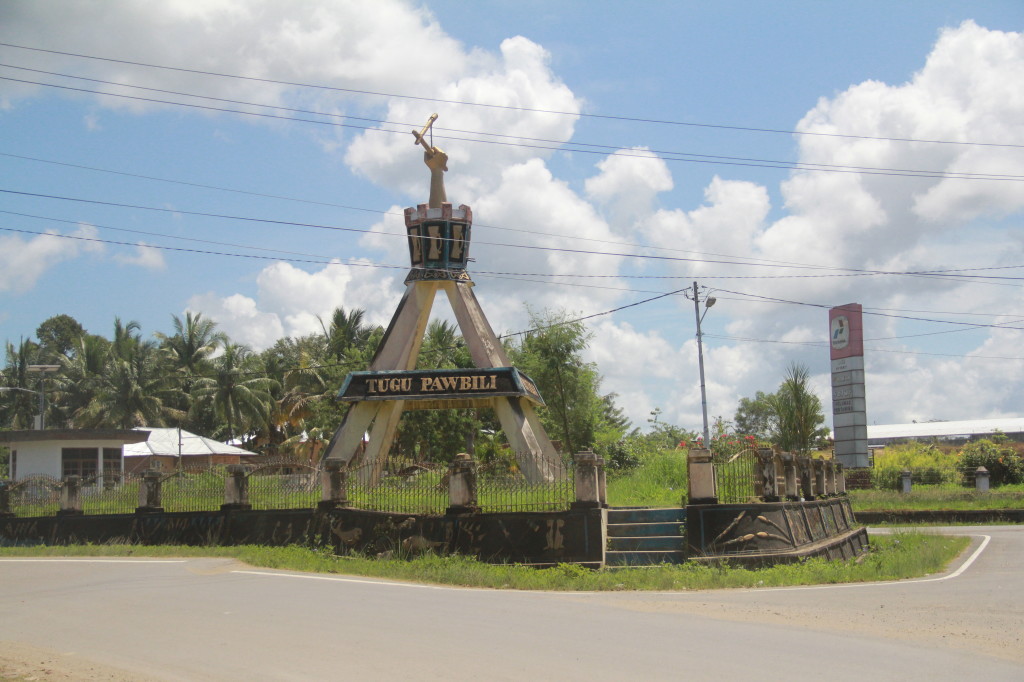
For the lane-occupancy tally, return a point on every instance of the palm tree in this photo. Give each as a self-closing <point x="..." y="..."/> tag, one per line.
<point x="796" y="412"/>
<point x="132" y="391"/>
<point x="18" y="406"/>
<point x="81" y="371"/>
<point x="346" y="332"/>
<point x="193" y="343"/>
<point x="238" y="391"/>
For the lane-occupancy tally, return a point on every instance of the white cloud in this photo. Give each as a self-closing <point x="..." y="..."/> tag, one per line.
<point x="145" y="257"/>
<point x="291" y="301"/>
<point x="24" y="261"/>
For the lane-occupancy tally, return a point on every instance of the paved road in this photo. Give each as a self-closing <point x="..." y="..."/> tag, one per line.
<point x="210" y="619"/>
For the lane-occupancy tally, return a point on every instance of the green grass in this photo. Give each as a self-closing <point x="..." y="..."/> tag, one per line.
<point x="925" y="497"/>
<point x="659" y="482"/>
<point x="891" y="557"/>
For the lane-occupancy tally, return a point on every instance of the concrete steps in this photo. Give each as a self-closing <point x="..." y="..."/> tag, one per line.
<point x="645" y="536"/>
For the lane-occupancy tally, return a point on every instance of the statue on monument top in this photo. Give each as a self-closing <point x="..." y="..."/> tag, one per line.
<point x="437" y="162"/>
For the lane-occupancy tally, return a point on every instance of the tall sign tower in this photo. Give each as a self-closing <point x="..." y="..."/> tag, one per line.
<point x="849" y="409"/>
<point x="438" y="237"/>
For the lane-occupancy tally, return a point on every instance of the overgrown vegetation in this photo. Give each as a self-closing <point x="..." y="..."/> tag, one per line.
<point x="899" y="556"/>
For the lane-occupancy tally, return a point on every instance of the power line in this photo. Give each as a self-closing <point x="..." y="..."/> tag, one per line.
<point x="611" y="117"/>
<point x="583" y="148"/>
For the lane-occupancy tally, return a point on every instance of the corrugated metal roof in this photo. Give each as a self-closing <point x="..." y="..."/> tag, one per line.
<point x="970" y="427"/>
<point x="166" y="442"/>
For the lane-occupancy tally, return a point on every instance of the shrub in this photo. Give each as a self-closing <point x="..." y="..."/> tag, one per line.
<point x="931" y="465"/>
<point x="1003" y="463"/>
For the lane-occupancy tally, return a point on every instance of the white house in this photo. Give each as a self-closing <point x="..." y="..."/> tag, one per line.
<point x="62" y="452"/>
<point x="92" y="453"/>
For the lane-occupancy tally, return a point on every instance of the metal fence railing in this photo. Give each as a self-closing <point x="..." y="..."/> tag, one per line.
<point x="35" y="496"/>
<point x="411" y="490"/>
<point x="284" y="485"/>
<point x="735" y="477"/>
<point x="513" y="492"/>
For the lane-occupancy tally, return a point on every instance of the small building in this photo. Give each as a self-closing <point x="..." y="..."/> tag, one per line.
<point x="95" y="453"/>
<point x="170" y="449"/>
<point x="64" y="452"/>
<point x="950" y="432"/>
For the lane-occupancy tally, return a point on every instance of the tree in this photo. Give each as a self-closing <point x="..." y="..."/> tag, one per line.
<point x="19" y="407"/>
<point x="551" y="355"/>
<point x="58" y="336"/>
<point x="238" y="392"/>
<point x="791" y="417"/>
<point x="754" y="417"/>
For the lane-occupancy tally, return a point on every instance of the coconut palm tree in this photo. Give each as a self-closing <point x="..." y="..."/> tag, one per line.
<point x="797" y="419"/>
<point x="238" y="391"/>
<point x="346" y="332"/>
<point x="132" y="391"/>
<point x="18" y="405"/>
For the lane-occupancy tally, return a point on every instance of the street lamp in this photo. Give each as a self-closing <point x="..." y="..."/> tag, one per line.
<point x="42" y="371"/>
<point x="708" y="302"/>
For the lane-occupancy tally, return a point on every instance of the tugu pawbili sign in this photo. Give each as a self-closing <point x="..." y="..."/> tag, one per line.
<point x="441" y="384"/>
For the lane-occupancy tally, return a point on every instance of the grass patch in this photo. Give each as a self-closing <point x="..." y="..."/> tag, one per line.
<point x="659" y="482"/>
<point x="937" y="498"/>
<point x="891" y="557"/>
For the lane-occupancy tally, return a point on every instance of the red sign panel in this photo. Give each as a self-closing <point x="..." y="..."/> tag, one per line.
<point x="846" y="331"/>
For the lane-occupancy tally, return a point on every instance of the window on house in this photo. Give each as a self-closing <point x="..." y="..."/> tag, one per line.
<point x="79" y="461"/>
<point x="111" y="460"/>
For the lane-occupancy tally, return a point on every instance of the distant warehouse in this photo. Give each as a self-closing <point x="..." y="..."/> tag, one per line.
<point x="952" y="432"/>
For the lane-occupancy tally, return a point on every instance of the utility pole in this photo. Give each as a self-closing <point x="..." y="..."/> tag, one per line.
<point x="708" y="302"/>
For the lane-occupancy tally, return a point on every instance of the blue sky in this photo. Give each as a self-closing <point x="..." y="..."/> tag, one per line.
<point x="925" y="71"/>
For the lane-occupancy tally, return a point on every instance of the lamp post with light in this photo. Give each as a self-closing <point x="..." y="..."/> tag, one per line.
<point x="42" y="371"/>
<point x="708" y="302"/>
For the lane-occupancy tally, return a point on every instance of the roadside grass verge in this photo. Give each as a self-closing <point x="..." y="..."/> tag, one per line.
<point x="891" y="557"/>
<point x="937" y="498"/>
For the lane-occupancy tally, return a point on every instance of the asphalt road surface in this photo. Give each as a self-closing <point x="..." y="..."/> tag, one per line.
<point x="211" y="619"/>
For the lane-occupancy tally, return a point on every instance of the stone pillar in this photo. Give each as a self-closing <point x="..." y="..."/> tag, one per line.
<point x="71" y="496"/>
<point x="333" y="485"/>
<point x="768" y="475"/>
<point x="150" y="493"/>
<point x="905" y="481"/>
<point x="819" y="477"/>
<point x="462" y="485"/>
<point x="5" y="499"/>
<point x="840" y="479"/>
<point x="587" y="480"/>
<point x="791" y="491"/>
<point x="701" y="474"/>
<point x="981" y="480"/>
<point x="236" y="489"/>
<point x="806" y="472"/>
<point x="830" y="477"/>
<point x="602" y="483"/>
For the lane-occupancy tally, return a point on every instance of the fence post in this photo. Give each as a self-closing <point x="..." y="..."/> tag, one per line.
<point x="840" y="479"/>
<point x="587" y="480"/>
<point x="150" y="493"/>
<point x="333" y="485"/>
<point x="462" y="485"/>
<point x="602" y="483"/>
<point x="819" y="477"/>
<point x="830" y="477"/>
<point x="905" y="481"/>
<point x="5" y="499"/>
<point x="767" y="475"/>
<point x="789" y="474"/>
<point x="701" y="474"/>
<point x="981" y="480"/>
<point x="70" y="496"/>
<point x="803" y="463"/>
<point x="236" y="489"/>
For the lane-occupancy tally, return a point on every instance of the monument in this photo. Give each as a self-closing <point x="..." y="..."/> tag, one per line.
<point x="438" y="238"/>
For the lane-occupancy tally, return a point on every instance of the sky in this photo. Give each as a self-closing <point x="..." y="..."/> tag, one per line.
<point x="250" y="160"/>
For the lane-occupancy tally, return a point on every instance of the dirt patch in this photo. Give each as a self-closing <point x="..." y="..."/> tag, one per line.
<point x="24" y="663"/>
